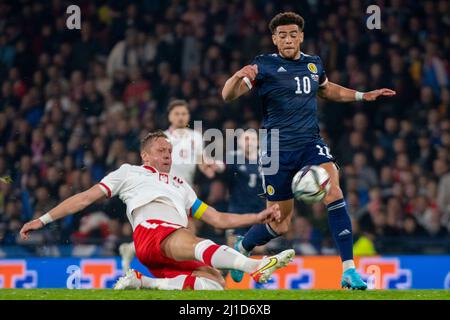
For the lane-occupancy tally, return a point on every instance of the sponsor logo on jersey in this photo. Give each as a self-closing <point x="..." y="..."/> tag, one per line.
<point x="281" y="69"/>
<point x="270" y="190"/>
<point x="312" y="67"/>
<point x="315" y="77"/>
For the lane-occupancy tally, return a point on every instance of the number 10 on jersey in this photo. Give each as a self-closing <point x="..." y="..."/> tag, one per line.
<point x="306" y="85"/>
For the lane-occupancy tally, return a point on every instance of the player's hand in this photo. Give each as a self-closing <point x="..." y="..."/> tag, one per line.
<point x="373" y="95"/>
<point x="208" y="170"/>
<point x="29" y="226"/>
<point x="270" y="214"/>
<point x="249" y="71"/>
<point x="210" y="167"/>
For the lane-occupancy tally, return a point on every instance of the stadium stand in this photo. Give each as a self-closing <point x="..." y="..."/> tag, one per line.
<point x="74" y="104"/>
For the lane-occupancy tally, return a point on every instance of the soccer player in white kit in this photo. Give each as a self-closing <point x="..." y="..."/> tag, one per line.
<point x="187" y="155"/>
<point x="158" y="205"/>
<point x="187" y="144"/>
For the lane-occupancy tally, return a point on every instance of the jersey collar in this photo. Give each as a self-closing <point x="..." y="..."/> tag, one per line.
<point x="302" y="56"/>
<point x="150" y="168"/>
<point x="178" y="133"/>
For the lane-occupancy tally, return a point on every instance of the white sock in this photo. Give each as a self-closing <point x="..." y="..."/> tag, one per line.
<point x="224" y="257"/>
<point x="242" y="249"/>
<point x="164" y="283"/>
<point x="206" y="284"/>
<point x="348" y="264"/>
<point x="177" y="283"/>
<point x="228" y="258"/>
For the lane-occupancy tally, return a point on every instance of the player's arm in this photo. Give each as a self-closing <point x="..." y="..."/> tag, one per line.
<point x="225" y="220"/>
<point x="239" y="83"/>
<point x="69" y="206"/>
<point x="334" y="92"/>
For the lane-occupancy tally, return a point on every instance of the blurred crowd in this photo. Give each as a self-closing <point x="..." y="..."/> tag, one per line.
<point x="75" y="103"/>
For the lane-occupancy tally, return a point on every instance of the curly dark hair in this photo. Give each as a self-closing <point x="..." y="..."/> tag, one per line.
<point x="285" y="18"/>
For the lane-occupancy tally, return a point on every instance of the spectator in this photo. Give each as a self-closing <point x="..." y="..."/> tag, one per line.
<point x="306" y="239"/>
<point x="411" y="229"/>
<point x="365" y="175"/>
<point x="124" y="54"/>
<point x="73" y="106"/>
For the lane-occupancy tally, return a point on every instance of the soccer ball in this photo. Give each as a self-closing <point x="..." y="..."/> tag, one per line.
<point x="311" y="184"/>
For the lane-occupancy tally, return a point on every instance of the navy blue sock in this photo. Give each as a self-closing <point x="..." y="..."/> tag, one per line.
<point x="341" y="228"/>
<point x="258" y="235"/>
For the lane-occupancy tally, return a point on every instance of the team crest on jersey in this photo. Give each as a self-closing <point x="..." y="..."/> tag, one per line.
<point x="270" y="190"/>
<point x="312" y="67"/>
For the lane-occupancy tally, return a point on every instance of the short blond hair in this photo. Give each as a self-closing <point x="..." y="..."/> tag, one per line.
<point x="151" y="136"/>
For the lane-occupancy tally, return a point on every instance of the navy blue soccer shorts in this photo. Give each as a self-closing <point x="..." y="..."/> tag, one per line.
<point x="277" y="186"/>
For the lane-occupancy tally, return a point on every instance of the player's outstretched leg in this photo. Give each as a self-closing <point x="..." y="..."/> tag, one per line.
<point x="127" y="253"/>
<point x="223" y="257"/>
<point x="135" y="280"/>
<point x="341" y="229"/>
<point x="261" y="234"/>
<point x="220" y="257"/>
<point x="183" y="245"/>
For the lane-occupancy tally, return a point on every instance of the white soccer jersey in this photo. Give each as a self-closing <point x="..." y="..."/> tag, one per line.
<point x="137" y="186"/>
<point x="187" y="147"/>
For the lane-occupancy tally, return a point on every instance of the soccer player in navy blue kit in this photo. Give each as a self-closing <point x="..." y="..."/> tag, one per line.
<point x="244" y="178"/>
<point x="288" y="83"/>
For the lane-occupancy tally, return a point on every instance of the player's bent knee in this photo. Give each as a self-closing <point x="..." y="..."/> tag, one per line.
<point x="335" y="193"/>
<point x="207" y="284"/>
<point x="281" y="227"/>
<point x="210" y="273"/>
<point x="284" y="228"/>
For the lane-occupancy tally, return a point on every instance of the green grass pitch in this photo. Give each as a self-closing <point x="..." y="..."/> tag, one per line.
<point x="108" y="294"/>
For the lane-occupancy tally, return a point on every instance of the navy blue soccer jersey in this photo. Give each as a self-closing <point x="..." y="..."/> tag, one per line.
<point x="245" y="183"/>
<point x="288" y="90"/>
